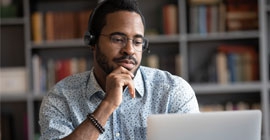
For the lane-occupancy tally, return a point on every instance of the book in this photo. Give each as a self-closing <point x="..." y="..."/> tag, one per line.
<point x="170" y="19"/>
<point x="193" y="19"/>
<point x="242" y="106"/>
<point x="83" y="64"/>
<point x="36" y="62"/>
<point x="37" y="27"/>
<point x="229" y="106"/>
<point x="222" y="17"/>
<point x="49" y="26"/>
<point x="82" y="24"/>
<point x="50" y="73"/>
<point x="62" y="69"/>
<point x="13" y="80"/>
<point x="242" y="61"/>
<point x="232" y="67"/>
<point x="222" y="71"/>
<point x="247" y="67"/>
<point x="213" y="19"/>
<point x="153" y="61"/>
<point x="202" y="19"/>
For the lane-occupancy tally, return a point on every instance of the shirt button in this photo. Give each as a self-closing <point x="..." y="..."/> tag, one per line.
<point x="117" y="134"/>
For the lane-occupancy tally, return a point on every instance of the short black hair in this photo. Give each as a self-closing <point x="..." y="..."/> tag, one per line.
<point x="97" y="19"/>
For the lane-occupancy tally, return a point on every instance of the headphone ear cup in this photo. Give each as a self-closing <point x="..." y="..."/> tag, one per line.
<point x="89" y="39"/>
<point x="145" y="45"/>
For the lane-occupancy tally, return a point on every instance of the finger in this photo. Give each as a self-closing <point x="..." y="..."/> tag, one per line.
<point x="127" y="81"/>
<point x="126" y="77"/>
<point x="131" y="89"/>
<point x="123" y="70"/>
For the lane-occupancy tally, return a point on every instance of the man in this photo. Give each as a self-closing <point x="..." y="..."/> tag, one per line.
<point x="114" y="98"/>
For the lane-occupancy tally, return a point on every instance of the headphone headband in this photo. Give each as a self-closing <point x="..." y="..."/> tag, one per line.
<point x="89" y="37"/>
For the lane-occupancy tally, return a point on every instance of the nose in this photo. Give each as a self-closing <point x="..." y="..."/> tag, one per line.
<point x="129" y="49"/>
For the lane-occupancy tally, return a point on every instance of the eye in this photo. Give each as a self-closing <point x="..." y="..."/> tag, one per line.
<point x="138" y="41"/>
<point x="118" y="39"/>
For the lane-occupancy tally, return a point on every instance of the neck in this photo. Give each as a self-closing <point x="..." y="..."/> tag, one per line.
<point x="100" y="76"/>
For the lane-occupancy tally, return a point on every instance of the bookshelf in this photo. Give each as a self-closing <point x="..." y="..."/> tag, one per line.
<point x="188" y="53"/>
<point x="14" y="103"/>
<point x="265" y="58"/>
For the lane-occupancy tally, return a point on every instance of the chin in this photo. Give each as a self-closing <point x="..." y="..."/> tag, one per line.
<point x="134" y="71"/>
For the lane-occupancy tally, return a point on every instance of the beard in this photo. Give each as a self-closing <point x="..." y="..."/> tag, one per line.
<point x="103" y="61"/>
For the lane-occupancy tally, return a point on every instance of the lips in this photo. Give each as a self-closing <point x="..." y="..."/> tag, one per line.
<point x="126" y="63"/>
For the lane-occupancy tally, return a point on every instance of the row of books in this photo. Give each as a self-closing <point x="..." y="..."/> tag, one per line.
<point x="208" y="16"/>
<point x="241" y="14"/>
<point x="46" y="73"/>
<point x="229" y="106"/>
<point x="229" y="64"/>
<point x="59" y="25"/>
<point x="171" y="63"/>
<point x="236" y="64"/>
<point x="205" y="16"/>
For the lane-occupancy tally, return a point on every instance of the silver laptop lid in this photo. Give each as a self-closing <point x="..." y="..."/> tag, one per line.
<point x="226" y="125"/>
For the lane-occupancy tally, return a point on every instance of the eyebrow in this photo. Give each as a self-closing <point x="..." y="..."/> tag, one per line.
<point x="120" y="33"/>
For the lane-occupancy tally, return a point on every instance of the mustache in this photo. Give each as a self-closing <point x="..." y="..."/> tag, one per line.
<point x="129" y="57"/>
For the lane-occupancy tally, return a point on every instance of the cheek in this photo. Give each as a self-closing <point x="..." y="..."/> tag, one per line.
<point x="139" y="58"/>
<point x="107" y="50"/>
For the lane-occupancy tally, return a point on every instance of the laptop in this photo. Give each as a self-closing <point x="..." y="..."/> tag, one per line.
<point x="223" y="125"/>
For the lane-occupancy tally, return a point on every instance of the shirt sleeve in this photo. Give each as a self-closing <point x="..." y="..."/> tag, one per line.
<point x="183" y="98"/>
<point x="53" y="116"/>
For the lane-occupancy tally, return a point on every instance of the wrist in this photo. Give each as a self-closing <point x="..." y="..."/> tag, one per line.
<point x="103" y="112"/>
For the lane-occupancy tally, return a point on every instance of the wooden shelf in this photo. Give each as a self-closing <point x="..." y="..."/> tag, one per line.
<point x="12" y="21"/>
<point x="223" y="36"/>
<point x="227" y="88"/>
<point x="59" y="44"/>
<point x="9" y="97"/>
<point x="163" y="38"/>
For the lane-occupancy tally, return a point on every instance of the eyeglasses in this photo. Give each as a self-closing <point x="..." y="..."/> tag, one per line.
<point x="119" y="40"/>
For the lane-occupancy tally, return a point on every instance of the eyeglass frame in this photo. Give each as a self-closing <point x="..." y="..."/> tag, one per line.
<point x="143" y="44"/>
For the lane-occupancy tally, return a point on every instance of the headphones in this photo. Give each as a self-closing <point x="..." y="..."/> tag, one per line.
<point x="90" y="39"/>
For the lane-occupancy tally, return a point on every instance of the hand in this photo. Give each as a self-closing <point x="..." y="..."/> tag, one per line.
<point x="115" y="82"/>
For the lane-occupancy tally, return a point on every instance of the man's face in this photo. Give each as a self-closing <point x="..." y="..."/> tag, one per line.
<point x="107" y="55"/>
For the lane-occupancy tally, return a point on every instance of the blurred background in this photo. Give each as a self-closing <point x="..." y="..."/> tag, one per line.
<point x="221" y="47"/>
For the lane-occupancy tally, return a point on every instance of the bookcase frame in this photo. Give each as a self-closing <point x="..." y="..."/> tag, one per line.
<point x="181" y="41"/>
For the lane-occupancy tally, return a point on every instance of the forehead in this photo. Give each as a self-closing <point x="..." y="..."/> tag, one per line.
<point x="129" y="23"/>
